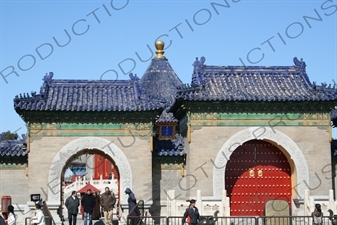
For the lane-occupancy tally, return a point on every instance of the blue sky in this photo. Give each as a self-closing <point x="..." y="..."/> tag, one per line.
<point x="106" y="36"/>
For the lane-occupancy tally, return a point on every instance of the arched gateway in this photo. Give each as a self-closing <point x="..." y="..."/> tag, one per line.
<point x="257" y="172"/>
<point x="300" y="171"/>
<point x="100" y="144"/>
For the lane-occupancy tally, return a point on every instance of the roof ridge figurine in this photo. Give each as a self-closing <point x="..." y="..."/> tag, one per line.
<point x="301" y="64"/>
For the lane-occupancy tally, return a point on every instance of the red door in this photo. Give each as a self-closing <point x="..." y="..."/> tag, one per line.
<point x="256" y="172"/>
<point x="108" y="170"/>
<point x="104" y="167"/>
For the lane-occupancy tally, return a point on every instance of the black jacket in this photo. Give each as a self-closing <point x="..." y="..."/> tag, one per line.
<point x="193" y="212"/>
<point x="88" y="202"/>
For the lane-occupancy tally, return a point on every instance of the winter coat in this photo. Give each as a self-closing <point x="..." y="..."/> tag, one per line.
<point x="193" y="212"/>
<point x="88" y="202"/>
<point x="38" y="218"/>
<point x="108" y="201"/>
<point x="96" y="213"/>
<point x="133" y="209"/>
<point x="72" y="205"/>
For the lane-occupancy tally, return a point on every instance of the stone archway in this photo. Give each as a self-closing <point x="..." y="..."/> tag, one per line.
<point x="260" y="133"/>
<point x="66" y="152"/>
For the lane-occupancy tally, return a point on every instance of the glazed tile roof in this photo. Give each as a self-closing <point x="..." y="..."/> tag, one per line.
<point x="75" y="168"/>
<point x="160" y="82"/>
<point x="254" y="83"/>
<point x="13" y="148"/>
<point x="170" y="147"/>
<point x="155" y="90"/>
<point x="86" y="95"/>
<point x="172" y="152"/>
<point x="167" y="117"/>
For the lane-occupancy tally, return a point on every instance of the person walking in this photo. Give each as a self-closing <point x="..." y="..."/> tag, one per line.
<point x="88" y="203"/>
<point x="72" y="203"/>
<point x="38" y="219"/>
<point x="108" y="201"/>
<point x="192" y="213"/>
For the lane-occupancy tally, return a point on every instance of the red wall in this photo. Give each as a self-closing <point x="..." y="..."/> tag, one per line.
<point x="103" y="167"/>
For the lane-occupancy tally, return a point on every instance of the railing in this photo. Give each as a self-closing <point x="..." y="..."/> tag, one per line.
<point x="48" y="217"/>
<point x="210" y="220"/>
<point x="232" y="220"/>
<point x="100" y="184"/>
<point x="48" y="220"/>
<point x="147" y="220"/>
<point x="290" y="220"/>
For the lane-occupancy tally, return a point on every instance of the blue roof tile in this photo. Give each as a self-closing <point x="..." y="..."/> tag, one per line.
<point x="172" y="152"/>
<point x="86" y="95"/>
<point x="160" y="83"/>
<point x="13" y="148"/>
<point x="167" y="117"/>
<point x="254" y="83"/>
<point x="155" y="90"/>
<point x="170" y="147"/>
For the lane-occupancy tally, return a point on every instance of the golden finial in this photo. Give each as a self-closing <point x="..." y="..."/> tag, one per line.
<point x="160" y="49"/>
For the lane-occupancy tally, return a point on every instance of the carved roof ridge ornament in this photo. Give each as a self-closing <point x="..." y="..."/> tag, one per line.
<point x="133" y="77"/>
<point x="48" y="77"/>
<point x="178" y="142"/>
<point x="300" y="64"/>
<point x="167" y="117"/>
<point x="45" y="86"/>
<point x="198" y="66"/>
<point x="43" y="90"/>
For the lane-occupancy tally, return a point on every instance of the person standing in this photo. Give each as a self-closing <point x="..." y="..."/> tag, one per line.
<point x="317" y="215"/>
<point x="96" y="214"/>
<point x="193" y="213"/>
<point x="72" y="203"/>
<point x="38" y="219"/>
<point x="11" y="218"/>
<point x="88" y="203"/>
<point x="134" y="212"/>
<point x="108" y="201"/>
<point x="82" y="208"/>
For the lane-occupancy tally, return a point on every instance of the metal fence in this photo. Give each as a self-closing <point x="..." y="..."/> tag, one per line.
<point x="232" y="220"/>
<point x="48" y="220"/>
